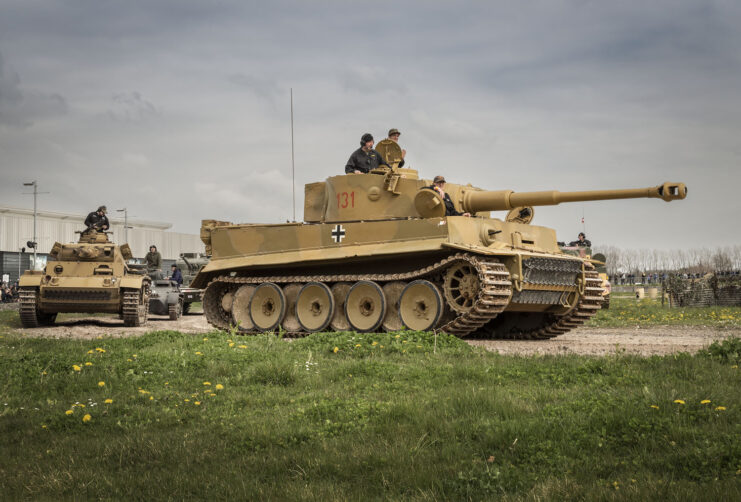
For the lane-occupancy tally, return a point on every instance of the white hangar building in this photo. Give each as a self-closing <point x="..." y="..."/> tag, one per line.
<point x="16" y="229"/>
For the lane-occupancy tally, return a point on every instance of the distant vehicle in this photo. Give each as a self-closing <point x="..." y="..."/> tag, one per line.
<point x="88" y="276"/>
<point x="190" y="264"/>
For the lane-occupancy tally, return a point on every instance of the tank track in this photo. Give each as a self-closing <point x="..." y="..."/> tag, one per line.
<point x="493" y="296"/>
<point x="130" y="308"/>
<point x="587" y="308"/>
<point x="28" y="311"/>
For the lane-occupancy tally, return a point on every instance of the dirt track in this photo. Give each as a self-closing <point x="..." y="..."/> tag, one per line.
<point x="586" y="341"/>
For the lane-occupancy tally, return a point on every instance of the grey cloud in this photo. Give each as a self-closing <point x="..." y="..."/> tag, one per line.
<point x="370" y="79"/>
<point x="19" y="108"/>
<point x="131" y="107"/>
<point x="261" y="86"/>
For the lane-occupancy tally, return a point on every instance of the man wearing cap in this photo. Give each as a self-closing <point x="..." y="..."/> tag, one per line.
<point x="365" y="158"/>
<point x="394" y="136"/>
<point x="153" y="258"/>
<point x="97" y="220"/>
<point x="438" y="185"/>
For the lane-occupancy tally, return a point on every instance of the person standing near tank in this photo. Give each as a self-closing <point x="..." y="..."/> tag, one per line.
<point x="97" y="220"/>
<point x="438" y="185"/>
<point x="394" y="136"/>
<point x="153" y="258"/>
<point x="364" y="159"/>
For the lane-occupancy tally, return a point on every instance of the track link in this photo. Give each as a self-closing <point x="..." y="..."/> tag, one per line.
<point x="494" y="292"/>
<point x="28" y="310"/>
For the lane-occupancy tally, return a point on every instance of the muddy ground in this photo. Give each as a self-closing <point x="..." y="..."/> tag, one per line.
<point x="586" y="341"/>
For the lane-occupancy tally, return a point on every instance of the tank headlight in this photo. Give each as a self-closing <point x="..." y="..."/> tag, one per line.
<point x="58" y="269"/>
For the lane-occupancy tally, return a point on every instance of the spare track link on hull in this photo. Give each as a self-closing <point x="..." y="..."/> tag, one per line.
<point x="28" y="297"/>
<point x="587" y="308"/>
<point x="493" y="297"/>
<point x="132" y="315"/>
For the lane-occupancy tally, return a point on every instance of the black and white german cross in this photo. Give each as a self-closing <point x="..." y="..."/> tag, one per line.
<point x="338" y="233"/>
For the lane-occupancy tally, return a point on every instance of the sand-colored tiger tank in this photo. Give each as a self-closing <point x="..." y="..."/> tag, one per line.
<point x="88" y="276"/>
<point x="377" y="252"/>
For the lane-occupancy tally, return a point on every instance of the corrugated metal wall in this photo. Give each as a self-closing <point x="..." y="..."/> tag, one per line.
<point x="16" y="228"/>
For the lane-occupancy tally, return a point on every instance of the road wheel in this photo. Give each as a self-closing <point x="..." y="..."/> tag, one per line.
<point x="340" y="290"/>
<point x="267" y="307"/>
<point x="420" y="306"/>
<point x="365" y="306"/>
<point x="314" y="307"/>
<point x="392" y="291"/>
<point x="241" y="308"/>
<point x="290" y="321"/>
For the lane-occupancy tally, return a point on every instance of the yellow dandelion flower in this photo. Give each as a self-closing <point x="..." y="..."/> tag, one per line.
<point x="43" y="372"/>
<point x="99" y="350"/>
<point x="69" y="412"/>
<point x="357" y="345"/>
<point x="219" y="386"/>
<point x="142" y="391"/>
<point x="381" y="346"/>
<point x="374" y="343"/>
<point x="76" y="367"/>
<point x="720" y="408"/>
<point x="43" y="427"/>
<point x="231" y="344"/>
<point x="205" y="339"/>
<point x="151" y="398"/>
<point x="197" y="403"/>
<point x="187" y="400"/>
<point x="735" y="366"/>
<point x="101" y="384"/>
<point x="87" y="418"/>
<point x="130" y="360"/>
<point x="678" y="401"/>
<point x="108" y="401"/>
<point x="90" y="351"/>
<point x="654" y="407"/>
<point x="242" y="347"/>
<point x="133" y="355"/>
<point x="397" y="336"/>
<point x="336" y="350"/>
<point x="88" y="363"/>
<point x="206" y="383"/>
<point x="705" y="401"/>
<point x="199" y="353"/>
<point x="167" y="383"/>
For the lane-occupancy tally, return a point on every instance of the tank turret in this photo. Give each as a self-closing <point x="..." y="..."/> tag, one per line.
<point x="377" y="252"/>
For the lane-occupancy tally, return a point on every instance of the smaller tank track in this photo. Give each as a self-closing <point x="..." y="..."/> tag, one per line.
<point x="28" y="297"/>
<point x="132" y="306"/>
<point x="493" y="296"/>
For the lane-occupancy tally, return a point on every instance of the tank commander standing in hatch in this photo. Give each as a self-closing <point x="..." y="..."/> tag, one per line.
<point x="438" y="185"/>
<point x="97" y="220"/>
<point x="394" y="136"/>
<point x="153" y="258"/>
<point x="364" y="159"/>
<point x="582" y="241"/>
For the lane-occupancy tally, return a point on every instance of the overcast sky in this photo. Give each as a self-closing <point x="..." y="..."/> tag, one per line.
<point x="179" y="109"/>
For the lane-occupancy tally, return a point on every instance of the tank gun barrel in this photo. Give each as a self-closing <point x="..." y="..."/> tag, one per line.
<point x="499" y="200"/>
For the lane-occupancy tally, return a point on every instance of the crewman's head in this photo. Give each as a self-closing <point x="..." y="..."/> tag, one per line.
<point x="152" y="248"/>
<point x="439" y="180"/>
<point x="394" y="134"/>
<point x="582" y="236"/>
<point x="367" y="140"/>
<point x="102" y="209"/>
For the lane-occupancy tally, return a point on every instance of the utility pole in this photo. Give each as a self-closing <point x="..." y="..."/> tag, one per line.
<point x="126" y="224"/>
<point x="35" y="195"/>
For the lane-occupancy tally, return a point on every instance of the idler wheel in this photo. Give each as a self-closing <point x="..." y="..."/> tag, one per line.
<point x="241" y="308"/>
<point x="461" y="286"/>
<point x="392" y="291"/>
<point x="267" y="307"/>
<point x="420" y="306"/>
<point x="314" y="307"/>
<point x="365" y="306"/>
<point x="340" y="290"/>
<point x="290" y="321"/>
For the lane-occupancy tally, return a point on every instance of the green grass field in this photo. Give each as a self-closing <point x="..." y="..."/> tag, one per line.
<point x="626" y="311"/>
<point x="360" y="417"/>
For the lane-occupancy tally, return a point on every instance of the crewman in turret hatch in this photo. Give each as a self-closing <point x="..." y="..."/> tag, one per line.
<point x="364" y="159"/>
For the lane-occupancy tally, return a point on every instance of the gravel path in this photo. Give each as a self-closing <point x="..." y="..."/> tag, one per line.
<point x="586" y="341"/>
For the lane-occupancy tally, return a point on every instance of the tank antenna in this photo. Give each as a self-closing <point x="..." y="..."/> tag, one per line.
<point x="293" y="165"/>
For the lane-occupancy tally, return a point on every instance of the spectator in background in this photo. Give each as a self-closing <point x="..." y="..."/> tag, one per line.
<point x="176" y="276"/>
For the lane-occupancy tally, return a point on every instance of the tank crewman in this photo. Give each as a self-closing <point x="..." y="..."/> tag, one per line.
<point x="581" y="241"/>
<point x="438" y="185"/>
<point x="153" y="258"/>
<point x="176" y="275"/>
<point x="394" y="136"/>
<point x="97" y="220"/>
<point x="365" y="158"/>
